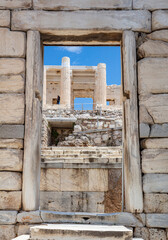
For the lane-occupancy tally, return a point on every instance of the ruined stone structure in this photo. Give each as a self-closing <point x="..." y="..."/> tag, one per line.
<point x="141" y="28"/>
<point x="70" y="82"/>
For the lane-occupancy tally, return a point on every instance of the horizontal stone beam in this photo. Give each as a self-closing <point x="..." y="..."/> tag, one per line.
<point x="48" y="22"/>
<point x="16" y="4"/>
<point x="150" y="4"/>
<point x="157" y="220"/>
<point x="80" y="4"/>
<point x="155" y="143"/>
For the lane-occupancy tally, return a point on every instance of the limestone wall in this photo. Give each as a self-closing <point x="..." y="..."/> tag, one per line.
<point x="149" y="20"/>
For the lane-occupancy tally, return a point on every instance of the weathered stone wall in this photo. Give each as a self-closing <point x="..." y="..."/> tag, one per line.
<point x="141" y="16"/>
<point x="91" y="128"/>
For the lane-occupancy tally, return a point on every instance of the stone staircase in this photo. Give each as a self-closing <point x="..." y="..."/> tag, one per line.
<point x="81" y="155"/>
<point x="78" y="232"/>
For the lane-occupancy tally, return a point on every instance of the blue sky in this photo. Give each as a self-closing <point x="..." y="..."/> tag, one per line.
<point x="88" y="56"/>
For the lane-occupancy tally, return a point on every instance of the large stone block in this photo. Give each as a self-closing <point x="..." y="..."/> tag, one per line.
<point x="152" y="75"/>
<point x="157" y="220"/>
<point x="12" y="44"/>
<point x="156" y="203"/>
<point x="10" y="66"/>
<point x="144" y="130"/>
<point x="11" y="159"/>
<point x="156" y="106"/>
<point x="72" y="201"/>
<point x="11" y="143"/>
<point x="16" y="4"/>
<point x="12" y="84"/>
<point x="141" y="232"/>
<point x="159" y="20"/>
<point x="155" y="143"/>
<point x="161" y="35"/>
<point x="50" y="180"/>
<point x="80" y="4"/>
<point x="150" y="4"/>
<point x="10" y="200"/>
<point x="82" y="20"/>
<point x="12" y="108"/>
<point x="10" y="181"/>
<point x="155" y="183"/>
<point x="7" y="232"/>
<point x="159" y="130"/>
<point x="152" y="48"/>
<point x="155" y="161"/>
<point x="4" y="18"/>
<point x="157" y="234"/>
<point x="8" y="217"/>
<point x="12" y="131"/>
<point x="29" y="217"/>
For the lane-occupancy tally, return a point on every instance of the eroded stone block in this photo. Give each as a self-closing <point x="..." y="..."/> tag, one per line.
<point x="157" y="234"/>
<point x="8" y="217"/>
<point x="155" y="143"/>
<point x="10" y="200"/>
<point x="12" y="108"/>
<point x="11" y="143"/>
<point x="150" y="4"/>
<point x="7" y="232"/>
<point x="159" y="130"/>
<point x="11" y="159"/>
<point x="29" y="217"/>
<point x="79" y="4"/>
<point x="155" y="161"/>
<point x="4" y="18"/>
<point x="12" y="44"/>
<point x="16" y="4"/>
<point x="12" y="131"/>
<point x="12" y="84"/>
<point x="161" y="35"/>
<point x="159" y="20"/>
<point x="119" y="20"/>
<point x="156" y="203"/>
<point x="10" y="181"/>
<point x="152" y="48"/>
<point x="155" y="183"/>
<point x="12" y="66"/>
<point x="141" y="232"/>
<point x="157" y="220"/>
<point x="152" y="75"/>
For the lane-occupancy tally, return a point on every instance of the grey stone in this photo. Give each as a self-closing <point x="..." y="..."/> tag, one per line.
<point x="157" y="220"/>
<point x="7" y="232"/>
<point x="8" y="217"/>
<point x="16" y="4"/>
<point x="161" y="35"/>
<point x="155" y="183"/>
<point x="10" y="181"/>
<point x="159" y="130"/>
<point x="29" y="217"/>
<point x="156" y="203"/>
<point x="150" y="4"/>
<point x="12" y="131"/>
<point x="160" y="20"/>
<point x="144" y="130"/>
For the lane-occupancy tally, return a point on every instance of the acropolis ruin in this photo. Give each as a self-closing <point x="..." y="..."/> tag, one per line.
<point x="83" y="174"/>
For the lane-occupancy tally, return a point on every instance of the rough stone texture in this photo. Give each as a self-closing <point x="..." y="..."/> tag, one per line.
<point x="149" y="71"/>
<point x="10" y="200"/>
<point x="156" y="143"/>
<point x="141" y="232"/>
<point x="12" y="131"/>
<point x="7" y="232"/>
<point x="29" y="217"/>
<point x="156" y="203"/>
<point x="4" y="18"/>
<point x="12" y="66"/>
<point x="72" y="201"/>
<point x="11" y="159"/>
<point x="12" y="84"/>
<point x="150" y="4"/>
<point x="155" y="161"/>
<point x="135" y="20"/>
<point x="155" y="183"/>
<point x="79" y="4"/>
<point x="50" y="180"/>
<point x="152" y="48"/>
<point x="15" y="4"/>
<point x="156" y="106"/>
<point x="144" y="130"/>
<point x="11" y="143"/>
<point x="161" y="35"/>
<point x="8" y="217"/>
<point x="10" y="181"/>
<point x="159" y="20"/>
<point x="157" y="220"/>
<point x="159" y="130"/>
<point x="12" y="109"/>
<point x="12" y="44"/>
<point x="157" y="234"/>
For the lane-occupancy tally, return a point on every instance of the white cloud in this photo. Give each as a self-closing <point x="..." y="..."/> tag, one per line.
<point x="76" y="50"/>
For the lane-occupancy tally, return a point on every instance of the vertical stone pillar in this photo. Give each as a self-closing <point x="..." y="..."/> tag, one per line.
<point x="45" y="87"/>
<point x="100" y="86"/>
<point x="65" y="82"/>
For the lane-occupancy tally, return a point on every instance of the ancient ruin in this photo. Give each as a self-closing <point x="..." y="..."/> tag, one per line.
<point x="140" y="27"/>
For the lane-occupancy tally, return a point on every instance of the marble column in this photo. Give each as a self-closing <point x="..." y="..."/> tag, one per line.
<point x="65" y="98"/>
<point x="100" y="85"/>
<point x="45" y="87"/>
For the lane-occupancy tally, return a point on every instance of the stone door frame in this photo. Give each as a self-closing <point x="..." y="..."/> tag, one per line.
<point x="133" y="200"/>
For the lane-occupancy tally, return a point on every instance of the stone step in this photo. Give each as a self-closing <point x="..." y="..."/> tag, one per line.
<point x="27" y="237"/>
<point x="79" y="231"/>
